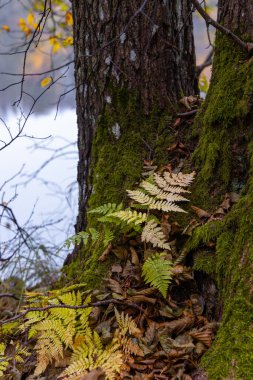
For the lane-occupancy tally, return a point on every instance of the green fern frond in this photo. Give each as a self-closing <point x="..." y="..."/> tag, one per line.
<point x="130" y="216"/>
<point x="152" y="233"/>
<point x="80" y="237"/>
<point x="158" y="273"/>
<point x="95" y="234"/>
<point x="108" y="236"/>
<point x="107" y="208"/>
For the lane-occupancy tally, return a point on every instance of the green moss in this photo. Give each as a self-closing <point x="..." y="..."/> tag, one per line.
<point x="223" y="117"/>
<point x="204" y="261"/>
<point x="124" y="138"/>
<point x="231" y="354"/>
<point x="226" y="122"/>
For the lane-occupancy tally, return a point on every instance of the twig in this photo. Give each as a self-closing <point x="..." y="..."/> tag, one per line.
<point x="190" y="113"/>
<point x="9" y="295"/>
<point x="246" y="46"/>
<point x="92" y="304"/>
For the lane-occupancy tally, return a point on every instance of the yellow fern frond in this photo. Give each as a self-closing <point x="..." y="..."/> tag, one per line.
<point x="126" y="324"/>
<point x="130" y="216"/>
<point x="152" y="233"/>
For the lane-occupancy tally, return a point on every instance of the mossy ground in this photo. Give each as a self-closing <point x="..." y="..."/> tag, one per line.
<point x="224" y="158"/>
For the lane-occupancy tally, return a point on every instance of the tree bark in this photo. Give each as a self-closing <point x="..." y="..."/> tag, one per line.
<point x="223" y="159"/>
<point x="133" y="59"/>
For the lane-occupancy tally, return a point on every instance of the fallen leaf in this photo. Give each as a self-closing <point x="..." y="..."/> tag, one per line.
<point x="106" y="252"/>
<point x="201" y="213"/>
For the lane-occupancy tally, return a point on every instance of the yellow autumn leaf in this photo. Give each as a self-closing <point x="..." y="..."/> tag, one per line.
<point x="30" y="19"/>
<point x="69" y="18"/>
<point x="46" y="81"/>
<point x="22" y="24"/>
<point x="68" y="41"/>
<point x="54" y="42"/>
<point x="6" y="28"/>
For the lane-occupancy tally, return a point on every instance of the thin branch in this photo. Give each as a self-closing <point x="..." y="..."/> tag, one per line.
<point x="190" y="113"/>
<point x="9" y="295"/>
<point x="210" y="21"/>
<point x="92" y="304"/>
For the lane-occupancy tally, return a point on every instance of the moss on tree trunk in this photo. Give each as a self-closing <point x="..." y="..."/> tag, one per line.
<point x="224" y="158"/>
<point x="133" y="61"/>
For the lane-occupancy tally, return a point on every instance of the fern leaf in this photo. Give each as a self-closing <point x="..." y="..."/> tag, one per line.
<point x="139" y="196"/>
<point x="162" y="183"/>
<point x="126" y="324"/>
<point x="107" y="208"/>
<point x="158" y="273"/>
<point x="130" y="216"/>
<point x="165" y="206"/>
<point x="94" y="234"/>
<point x="152" y="233"/>
<point x="3" y="360"/>
<point x="154" y="204"/>
<point x="169" y="195"/>
<point x="179" y="179"/>
<point x="108" y="237"/>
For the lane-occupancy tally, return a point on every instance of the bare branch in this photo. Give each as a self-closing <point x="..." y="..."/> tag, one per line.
<point x="245" y="46"/>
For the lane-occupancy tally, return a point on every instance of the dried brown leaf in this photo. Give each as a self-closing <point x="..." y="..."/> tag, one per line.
<point x="105" y="254"/>
<point x="115" y="286"/>
<point x="201" y="213"/>
<point x="134" y="257"/>
<point x="178" y="325"/>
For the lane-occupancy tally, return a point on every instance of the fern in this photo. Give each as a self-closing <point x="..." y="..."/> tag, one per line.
<point x="55" y="330"/>
<point x="153" y="203"/>
<point x="158" y="273"/>
<point x="91" y="354"/>
<point x="152" y="233"/>
<point x="170" y="195"/>
<point x="108" y="236"/>
<point x="94" y="234"/>
<point x="130" y="216"/>
<point x="81" y="237"/>
<point x="105" y="209"/>
<point x="4" y="363"/>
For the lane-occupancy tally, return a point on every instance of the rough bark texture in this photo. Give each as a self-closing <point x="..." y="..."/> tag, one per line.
<point x="141" y="47"/>
<point x="224" y="161"/>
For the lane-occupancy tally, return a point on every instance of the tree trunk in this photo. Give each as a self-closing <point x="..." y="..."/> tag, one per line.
<point x="133" y="60"/>
<point x="224" y="156"/>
